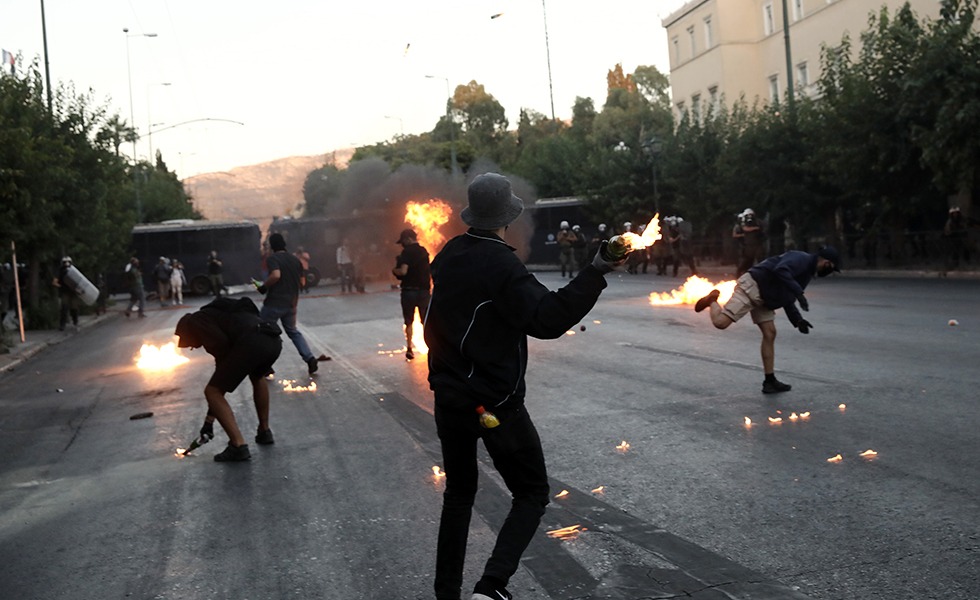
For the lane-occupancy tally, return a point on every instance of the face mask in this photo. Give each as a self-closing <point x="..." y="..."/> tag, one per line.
<point x="825" y="270"/>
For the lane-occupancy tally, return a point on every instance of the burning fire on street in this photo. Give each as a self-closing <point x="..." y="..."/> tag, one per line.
<point x="691" y="291"/>
<point x="567" y="533"/>
<point x="599" y="490"/>
<point x="426" y="218"/>
<point x="561" y="494"/>
<point x="418" y="336"/>
<point x="623" y="447"/>
<point x="162" y="358"/>
<point x="289" y="385"/>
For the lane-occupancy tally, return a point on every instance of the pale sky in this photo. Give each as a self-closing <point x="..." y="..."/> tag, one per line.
<point x="305" y="77"/>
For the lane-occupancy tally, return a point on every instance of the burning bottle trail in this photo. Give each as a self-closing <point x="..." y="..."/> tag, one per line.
<point x="162" y="358"/>
<point x="691" y="291"/>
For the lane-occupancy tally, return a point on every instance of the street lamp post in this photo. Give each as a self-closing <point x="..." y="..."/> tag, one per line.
<point x="452" y="126"/>
<point x="547" y="52"/>
<point x="653" y="146"/>
<point x="132" y="119"/>
<point x="149" y="120"/>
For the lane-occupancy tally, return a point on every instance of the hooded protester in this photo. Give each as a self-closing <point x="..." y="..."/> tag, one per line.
<point x="484" y="305"/>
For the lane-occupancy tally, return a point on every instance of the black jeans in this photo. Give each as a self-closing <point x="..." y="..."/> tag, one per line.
<point x="516" y="451"/>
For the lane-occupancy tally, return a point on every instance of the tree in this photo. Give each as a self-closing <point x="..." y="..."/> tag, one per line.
<point x="482" y="117"/>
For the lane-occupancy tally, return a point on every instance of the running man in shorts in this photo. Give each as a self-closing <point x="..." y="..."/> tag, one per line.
<point x="777" y="282"/>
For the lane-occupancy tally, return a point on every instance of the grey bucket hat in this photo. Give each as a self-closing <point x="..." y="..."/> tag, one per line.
<point x="492" y="203"/>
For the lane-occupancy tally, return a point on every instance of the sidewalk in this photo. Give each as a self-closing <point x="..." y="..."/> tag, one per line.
<point x="36" y="340"/>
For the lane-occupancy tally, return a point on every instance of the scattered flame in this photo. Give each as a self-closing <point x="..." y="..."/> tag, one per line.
<point x="835" y="459"/>
<point x="426" y="218"/>
<point x="693" y="290"/>
<point x="805" y="415"/>
<point x="649" y="236"/>
<point x="569" y="332"/>
<point x="288" y="386"/>
<point x="152" y="358"/>
<point x="562" y="494"/>
<point x="623" y="447"/>
<point x="599" y="489"/>
<point x="597" y="322"/>
<point x="567" y="533"/>
<point x="437" y="472"/>
<point x="748" y="422"/>
<point x="181" y="452"/>
<point x="776" y="420"/>
<point x="418" y="336"/>
<point x="793" y="416"/>
<point x="869" y="453"/>
<point x="842" y="407"/>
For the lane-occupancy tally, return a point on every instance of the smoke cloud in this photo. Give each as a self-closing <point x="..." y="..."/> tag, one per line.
<point x="378" y="195"/>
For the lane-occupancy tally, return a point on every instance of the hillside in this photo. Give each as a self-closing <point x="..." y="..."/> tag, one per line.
<point x="258" y="192"/>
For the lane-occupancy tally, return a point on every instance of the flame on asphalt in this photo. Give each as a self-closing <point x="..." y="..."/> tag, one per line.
<point x="162" y="358"/>
<point x="693" y="290"/>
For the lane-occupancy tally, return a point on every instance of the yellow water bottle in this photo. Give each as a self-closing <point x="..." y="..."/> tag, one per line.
<point x="488" y="420"/>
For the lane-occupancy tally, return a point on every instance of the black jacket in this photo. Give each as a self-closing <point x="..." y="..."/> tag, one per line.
<point x="782" y="280"/>
<point x="484" y="305"/>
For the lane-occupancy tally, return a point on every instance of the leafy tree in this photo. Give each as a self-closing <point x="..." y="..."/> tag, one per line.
<point x="482" y="117"/>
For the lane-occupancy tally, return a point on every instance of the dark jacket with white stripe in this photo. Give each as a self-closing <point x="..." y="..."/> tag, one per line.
<point x="484" y="305"/>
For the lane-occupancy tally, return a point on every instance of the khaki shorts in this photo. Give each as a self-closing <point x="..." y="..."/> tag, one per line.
<point x="746" y="299"/>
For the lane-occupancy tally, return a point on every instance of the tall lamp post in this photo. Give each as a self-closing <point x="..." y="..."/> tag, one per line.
<point x="452" y="126"/>
<point x="789" y="60"/>
<point x="653" y="146"/>
<point x="547" y="52"/>
<point x="149" y="120"/>
<point x="132" y="118"/>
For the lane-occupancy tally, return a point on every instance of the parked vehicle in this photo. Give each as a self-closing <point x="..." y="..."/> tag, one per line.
<point x="238" y="244"/>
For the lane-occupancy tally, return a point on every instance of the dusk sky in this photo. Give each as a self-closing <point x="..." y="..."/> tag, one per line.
<point x="305" y="77"/>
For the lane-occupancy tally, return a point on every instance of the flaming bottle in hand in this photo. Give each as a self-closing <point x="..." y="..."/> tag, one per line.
<point x="616" y="249"/>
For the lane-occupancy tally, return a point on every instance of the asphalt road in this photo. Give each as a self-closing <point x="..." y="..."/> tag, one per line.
<point x="345" y="505"/>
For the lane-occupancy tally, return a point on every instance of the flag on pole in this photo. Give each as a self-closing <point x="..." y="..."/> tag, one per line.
<point x="9" y="59"/>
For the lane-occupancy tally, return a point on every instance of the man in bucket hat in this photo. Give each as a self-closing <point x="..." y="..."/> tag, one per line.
<point x="484" y="305"/>
<point x="777" y="282"/>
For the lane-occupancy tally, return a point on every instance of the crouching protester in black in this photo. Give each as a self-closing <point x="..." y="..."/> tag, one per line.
<point x="484" y="305"/>
<point x="243" y="346"/>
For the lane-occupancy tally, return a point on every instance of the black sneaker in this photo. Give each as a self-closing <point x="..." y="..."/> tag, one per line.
<point x="485" y="591"/>
<point x="312" y="365"/>
<point x="409" y="354"/>
<point x="705" y="302"/>
<point x="233" y="454"/>
<point x="775" y="386"/>
<point x="264" y="437"/>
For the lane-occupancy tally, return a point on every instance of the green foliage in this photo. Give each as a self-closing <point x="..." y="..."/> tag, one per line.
<point x="64" y="189"/>
<point x="889" y="135"/>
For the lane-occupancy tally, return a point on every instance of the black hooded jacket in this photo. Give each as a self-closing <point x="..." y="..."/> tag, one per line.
<point x="484" y="305"/>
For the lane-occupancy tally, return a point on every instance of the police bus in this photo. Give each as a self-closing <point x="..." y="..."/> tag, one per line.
<point x="238" y="244"/>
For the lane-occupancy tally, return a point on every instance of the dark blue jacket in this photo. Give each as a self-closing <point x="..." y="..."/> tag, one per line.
<point x="484" y="305"/>
<point x="782" y="280"/>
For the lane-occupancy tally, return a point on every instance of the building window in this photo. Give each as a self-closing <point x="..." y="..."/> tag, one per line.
<point x="713" y="100"/>
<point x="690" y="36"/>
<point x="768" y="20"/>
<point x="797" y="10"/>
<point x="680" y="108"/>
<point x="677" y="50"/>
<point x="802" y="75"/>
<point x="774" y="88"/>
<point x="696" y="106"/>
<point x="708" y="41"/>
